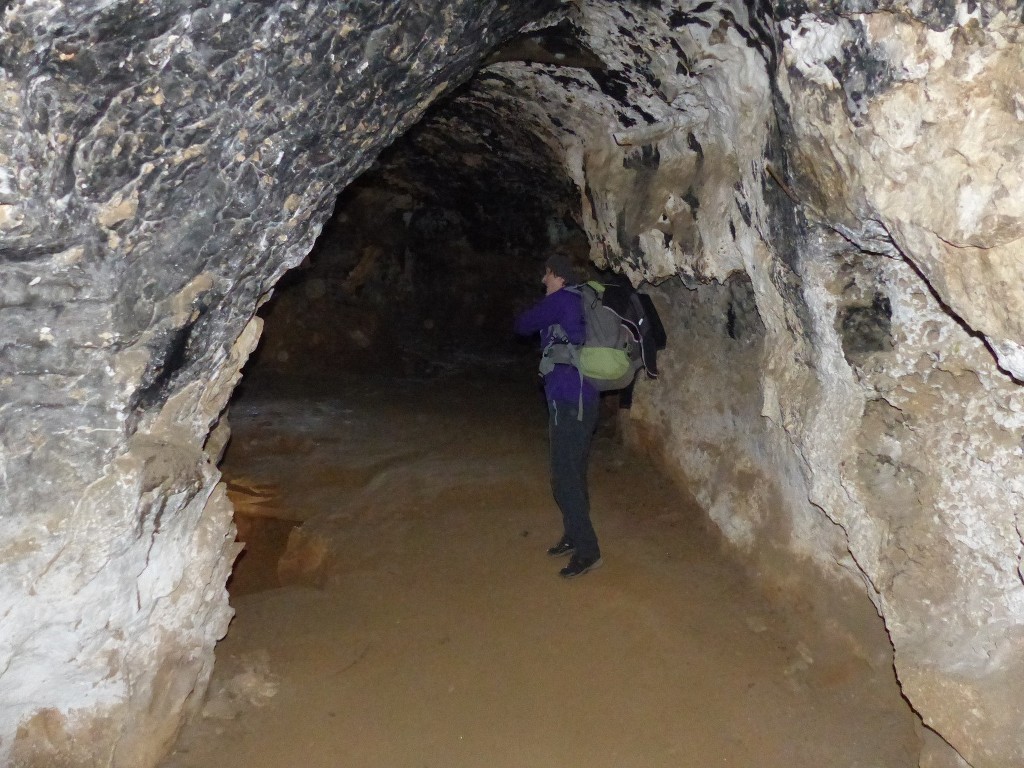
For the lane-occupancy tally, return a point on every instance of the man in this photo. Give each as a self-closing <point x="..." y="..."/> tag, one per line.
<point x="572" y="413"/>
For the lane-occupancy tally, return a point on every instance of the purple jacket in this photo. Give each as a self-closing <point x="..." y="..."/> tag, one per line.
<point x="559" y="308"/>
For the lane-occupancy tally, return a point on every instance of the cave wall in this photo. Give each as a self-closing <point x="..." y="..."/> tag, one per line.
<point x="906" y="139"/>
<point x="161" y="166"/>
<point x="396" y="286"/>
<point x="702" y="418"/>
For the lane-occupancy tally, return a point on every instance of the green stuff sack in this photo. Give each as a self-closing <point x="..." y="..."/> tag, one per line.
<point x="603" y="363"/>
<point x="604" y="358"/>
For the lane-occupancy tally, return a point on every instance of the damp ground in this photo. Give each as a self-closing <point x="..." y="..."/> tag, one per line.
<point x="395" y="607"/>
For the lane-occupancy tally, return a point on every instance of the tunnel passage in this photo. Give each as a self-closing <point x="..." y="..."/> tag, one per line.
<point x="422" y="512"/>
<point x="417" y="276"/>
<point x="166" y="163"/>
<point x="417" y="619"/>
<point x="430" y="253"/>
<point x="795" y="392"/>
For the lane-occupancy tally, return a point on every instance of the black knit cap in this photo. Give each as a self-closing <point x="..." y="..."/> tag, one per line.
<point x="561" y="266"/>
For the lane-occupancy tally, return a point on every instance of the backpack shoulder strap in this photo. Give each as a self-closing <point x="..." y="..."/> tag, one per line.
<point x="558" y="334"/>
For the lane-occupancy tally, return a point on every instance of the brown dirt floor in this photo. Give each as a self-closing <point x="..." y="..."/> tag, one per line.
<point x="414" y="620"/>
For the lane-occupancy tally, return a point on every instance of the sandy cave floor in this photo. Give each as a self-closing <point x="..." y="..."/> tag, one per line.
<point x="415" y="620"/>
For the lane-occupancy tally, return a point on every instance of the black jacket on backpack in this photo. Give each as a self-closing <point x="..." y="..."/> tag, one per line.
<point x="621" y="296"/>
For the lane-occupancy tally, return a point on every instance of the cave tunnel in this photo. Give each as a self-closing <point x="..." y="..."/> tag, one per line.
<point x="389" y="384"/>
<point x="429" y="253"/>
<point x="260" y="264"/>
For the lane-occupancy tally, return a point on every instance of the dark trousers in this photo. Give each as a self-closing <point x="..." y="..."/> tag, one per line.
<point x="570" y="450"/>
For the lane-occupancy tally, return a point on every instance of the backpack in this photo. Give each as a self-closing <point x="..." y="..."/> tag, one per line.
<point x="624" y="334"/>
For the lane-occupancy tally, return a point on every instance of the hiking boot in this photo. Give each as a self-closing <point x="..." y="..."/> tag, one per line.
<point x="562" y="548"/>
<point x="579" y="565"/>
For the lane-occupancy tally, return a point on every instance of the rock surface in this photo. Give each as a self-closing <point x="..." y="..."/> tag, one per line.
<point x="923" y="166"/>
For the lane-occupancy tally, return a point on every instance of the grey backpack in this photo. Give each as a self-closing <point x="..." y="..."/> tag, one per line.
<point x="611" y="355"/>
